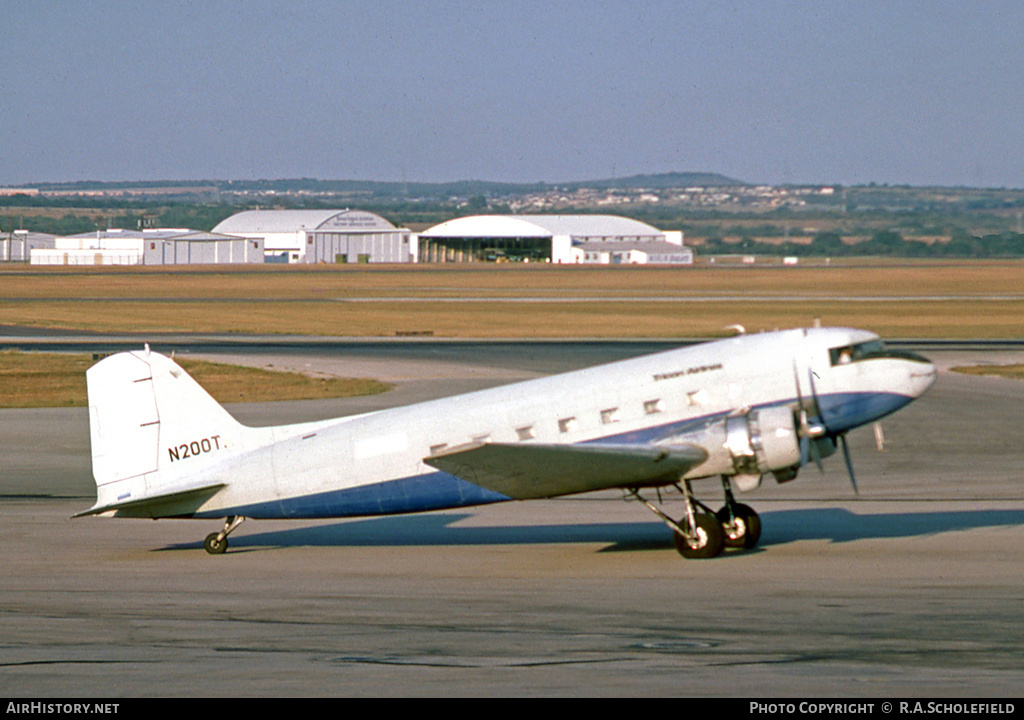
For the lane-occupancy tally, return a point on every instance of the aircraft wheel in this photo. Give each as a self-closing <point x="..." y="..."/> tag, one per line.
<point x="745" y="529"/>
<point x="215" y="547"/>
<point x="708" y="543"/>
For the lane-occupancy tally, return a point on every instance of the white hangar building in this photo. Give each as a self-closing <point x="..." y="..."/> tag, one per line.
<point x="18" y="245"/>
<point x="168" y="246"/>
<point x="323" y="236"/>
<point x="552" y="238"/>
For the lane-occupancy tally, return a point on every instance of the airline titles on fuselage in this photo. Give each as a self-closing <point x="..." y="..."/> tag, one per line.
<point x="688" y="371"/>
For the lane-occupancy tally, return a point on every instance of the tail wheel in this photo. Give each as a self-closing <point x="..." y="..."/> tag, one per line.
<point x="217" y="543"/>
<point x="215" y="546"/>
<point x="707" y="541"/>
<point x="741" y="528"/>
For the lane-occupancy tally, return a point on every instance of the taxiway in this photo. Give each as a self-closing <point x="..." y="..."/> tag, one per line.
<point x="914" y="587"/>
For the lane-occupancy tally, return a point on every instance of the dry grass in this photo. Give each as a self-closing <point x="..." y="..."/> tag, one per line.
<point x="938" y="318"/>
<point x="324" y="282"/>
<point x="233" y="383"/>
<point x="58" y="380"/>
<point x="42" y="380"/>
<point x="1015" y="372"/>
<point x="927" y="299"/>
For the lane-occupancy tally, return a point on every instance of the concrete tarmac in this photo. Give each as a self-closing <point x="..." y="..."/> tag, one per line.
<point x="914" y="587"/>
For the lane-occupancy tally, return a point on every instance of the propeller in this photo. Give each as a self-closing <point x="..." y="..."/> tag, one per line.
<point x="808" y="433"/>
<point x="808" y="430"/>
<point x="813" y="428"/>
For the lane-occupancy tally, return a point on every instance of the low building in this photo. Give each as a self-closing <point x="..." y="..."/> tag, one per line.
<point x="18" y="245"/>
<point x="202" y="248"/>
<point x="642" y="253"/>
<point x="174" y="246"/>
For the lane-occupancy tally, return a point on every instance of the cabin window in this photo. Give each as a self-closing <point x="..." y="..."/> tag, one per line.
<point x="698" y="397"/>
<point x="611" y="415"/>
<point x="567" y="425"/>
<point x="653" y="406"/>
<point x="526" y="433"/>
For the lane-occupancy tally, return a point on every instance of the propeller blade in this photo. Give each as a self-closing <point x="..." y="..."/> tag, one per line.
<point x="817" y="405"/>
<point x="809" y="429"/>
<point x="849" y="463"/>
<point x="796" y="382"/>
<point x="808" y="449"/>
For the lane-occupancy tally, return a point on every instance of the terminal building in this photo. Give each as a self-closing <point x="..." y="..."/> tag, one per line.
<point x="601" y="239"/>
<point x="323" y="236"/>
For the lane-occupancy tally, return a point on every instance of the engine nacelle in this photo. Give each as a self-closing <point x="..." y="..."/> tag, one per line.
<point x="747" y="445"/>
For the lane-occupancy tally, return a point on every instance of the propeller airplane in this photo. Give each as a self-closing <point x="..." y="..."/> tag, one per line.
<point x="736" y="409"/>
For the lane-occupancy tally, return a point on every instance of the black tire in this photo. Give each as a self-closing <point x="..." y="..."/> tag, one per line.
<point x="709" y="542"/>
<point x="745" y="529"/>
<point x="213" y="546"/>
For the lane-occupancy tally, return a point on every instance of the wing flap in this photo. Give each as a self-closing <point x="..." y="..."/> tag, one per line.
<point x="528" y="471"/>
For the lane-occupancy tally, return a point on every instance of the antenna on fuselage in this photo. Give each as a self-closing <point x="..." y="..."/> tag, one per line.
<point x="740" y="330"/>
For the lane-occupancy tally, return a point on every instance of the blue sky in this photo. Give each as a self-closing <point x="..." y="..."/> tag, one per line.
<point x="921" y="93"/>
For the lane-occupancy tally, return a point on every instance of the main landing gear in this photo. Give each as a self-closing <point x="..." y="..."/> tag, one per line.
<point x="217" y="543"/>
<point x="701" y="532"/>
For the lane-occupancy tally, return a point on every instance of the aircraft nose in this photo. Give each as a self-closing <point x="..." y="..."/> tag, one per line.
<point x="921" y="374"/>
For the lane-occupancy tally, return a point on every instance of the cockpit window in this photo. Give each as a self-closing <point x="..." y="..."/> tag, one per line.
<point x="869" y="350"/>
<point x="854" y="353"/>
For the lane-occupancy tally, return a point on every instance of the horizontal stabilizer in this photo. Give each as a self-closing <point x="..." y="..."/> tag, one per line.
<point x="178" y="503"/>
<point x="526" y="471"/>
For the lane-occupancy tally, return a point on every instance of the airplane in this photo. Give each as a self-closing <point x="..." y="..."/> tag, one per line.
<point x="737" y="409"/>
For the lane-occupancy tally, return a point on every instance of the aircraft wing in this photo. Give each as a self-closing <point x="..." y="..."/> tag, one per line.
<point x="526" y="471"/>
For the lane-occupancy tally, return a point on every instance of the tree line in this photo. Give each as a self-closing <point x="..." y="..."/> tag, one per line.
<point x="885" y="243"/>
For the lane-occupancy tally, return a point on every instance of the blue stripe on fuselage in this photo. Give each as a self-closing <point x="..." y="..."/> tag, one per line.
<point x="419" y="493"/>
<point x="437" y="490"/>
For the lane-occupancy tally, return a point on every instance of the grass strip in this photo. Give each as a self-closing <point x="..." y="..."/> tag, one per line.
<point x="544" y="319"/>
<point x="38" y="380"/>
<point x="1015" y="372"/>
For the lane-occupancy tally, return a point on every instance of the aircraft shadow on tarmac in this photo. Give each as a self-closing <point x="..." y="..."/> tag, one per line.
<point x="780" y="527"/>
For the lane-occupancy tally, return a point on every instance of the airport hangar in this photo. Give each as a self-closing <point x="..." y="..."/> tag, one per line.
<point x="18" y="245"/>
<point x="167" y="246"/>
<point x="600" y="239"/>
<point x="323" y="236"/>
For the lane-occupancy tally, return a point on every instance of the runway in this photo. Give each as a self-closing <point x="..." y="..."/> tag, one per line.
<point x="914" y="587"/>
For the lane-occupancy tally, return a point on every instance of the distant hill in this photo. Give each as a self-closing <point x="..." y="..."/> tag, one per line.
<point x="376" y="188"/>
<point x="663" y="180"/>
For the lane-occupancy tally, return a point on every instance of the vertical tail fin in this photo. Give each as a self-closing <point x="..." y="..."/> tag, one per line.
<point x="155" y="433"/>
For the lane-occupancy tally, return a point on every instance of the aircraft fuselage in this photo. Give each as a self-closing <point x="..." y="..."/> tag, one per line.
<point x="375" y="463"/>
